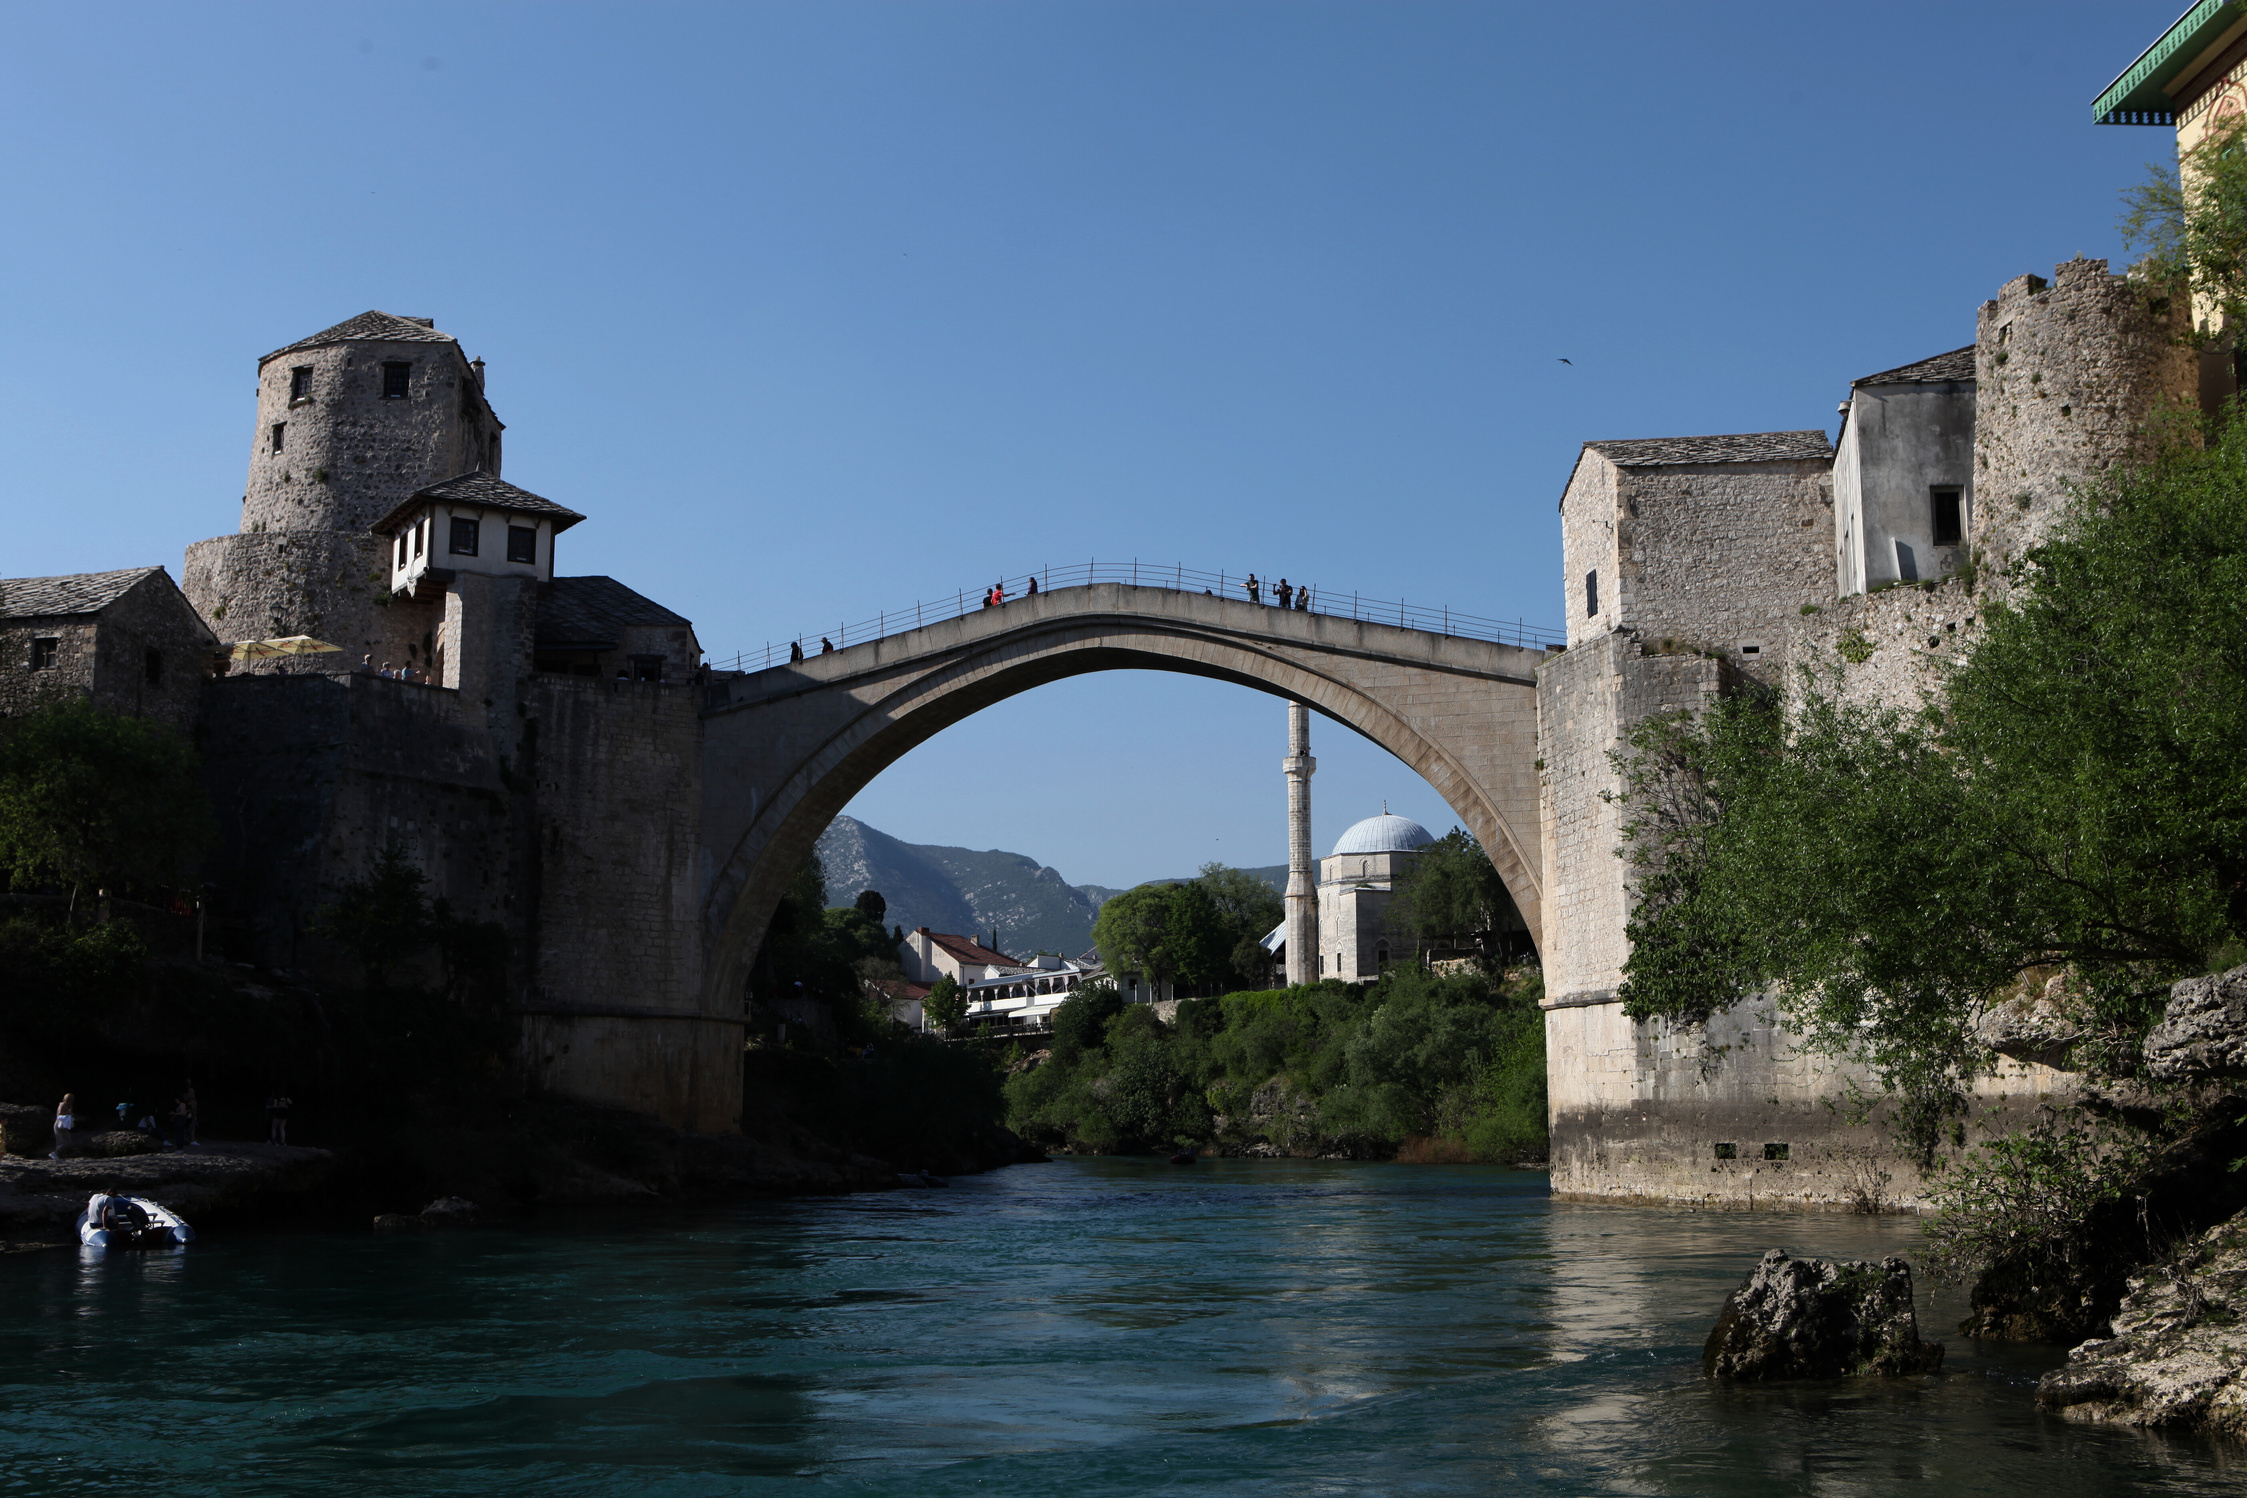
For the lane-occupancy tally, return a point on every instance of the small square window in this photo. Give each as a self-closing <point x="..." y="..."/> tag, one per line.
<point x="1775" y="1152"/>
<point x="300" y="384"/>
<point x="1727" y="1149"/>
<point x="420" y="527"/>
<point x="43" y="654"/>
<point x="1948" y="516"/>
<point x="394" y="381"/>
<point x="279" y="429"/>
<point x="398" y="554"/>
<point x="464" y="538"/>
<point x="647" y="668"/>
<point x="522" y="543"/>
<point x="152" y="666"/>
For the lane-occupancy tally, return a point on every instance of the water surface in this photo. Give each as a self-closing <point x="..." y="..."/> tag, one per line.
<point x="1085" y="1327"/>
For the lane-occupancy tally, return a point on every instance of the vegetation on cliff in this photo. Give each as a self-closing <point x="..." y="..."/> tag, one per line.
<point x="1435" y="1067"/>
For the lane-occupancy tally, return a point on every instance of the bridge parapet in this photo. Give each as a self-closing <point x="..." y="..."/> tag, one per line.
<point x="1431" y="618"/>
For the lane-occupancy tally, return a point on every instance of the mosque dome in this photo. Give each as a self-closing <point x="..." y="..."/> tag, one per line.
<point x="1384" y="834"/>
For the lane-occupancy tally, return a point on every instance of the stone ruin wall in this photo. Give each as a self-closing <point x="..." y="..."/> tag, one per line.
<point x="2072" y="377"/>
<point x="1885" y="649"/>
<point x="1588" y="544"/>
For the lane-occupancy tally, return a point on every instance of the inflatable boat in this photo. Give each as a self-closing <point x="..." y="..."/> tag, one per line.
<point x="130" y="1222"/>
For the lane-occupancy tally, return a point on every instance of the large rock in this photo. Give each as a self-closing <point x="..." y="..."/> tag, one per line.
<point x="2179" y="1352"/>
<point x="1820" y="1318"/>
<point x="2038" y="1027"/>
<point x="2203" y="1032"/>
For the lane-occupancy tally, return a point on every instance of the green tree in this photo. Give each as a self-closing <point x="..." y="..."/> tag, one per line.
<point x="2192" y="222"/>
<point x="946" y="1004"/>
<point x="2073" y="799"/>
<point x="1248" y="908"/>
<point x="1450" y="893"/>
<point x="383" y="920"/>
<point x="95" y="800"/>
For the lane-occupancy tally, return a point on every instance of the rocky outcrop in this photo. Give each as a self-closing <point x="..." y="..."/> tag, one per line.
<point x="2178" y="1358"/>
<point x="2037" y="1027"/>
<point x="210" y="1180"/>
<point x="1820" y="1318"/>
<point x="2203" y="1032"/>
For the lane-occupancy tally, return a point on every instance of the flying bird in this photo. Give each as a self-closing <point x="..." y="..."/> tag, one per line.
<point x="1571" y="363"/>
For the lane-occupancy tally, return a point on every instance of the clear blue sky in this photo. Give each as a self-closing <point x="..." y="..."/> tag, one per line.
<point x="819" y="308"/>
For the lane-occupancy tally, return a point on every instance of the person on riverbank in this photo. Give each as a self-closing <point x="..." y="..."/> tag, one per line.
<point x="66" y="1123"/>
<point x="277" y="1119"/>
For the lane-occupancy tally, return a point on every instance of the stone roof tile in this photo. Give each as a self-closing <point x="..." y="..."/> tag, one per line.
<point x="1958" y="364"/>
<point x="1743" y="447"/>
<point x="590" y="612"/>
<point x="477" y="487"/>
<point x="77" y="593"/>
<point x="369" y="327"/>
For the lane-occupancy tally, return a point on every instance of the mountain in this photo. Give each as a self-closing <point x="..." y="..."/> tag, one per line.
<point x="964" y="891"/>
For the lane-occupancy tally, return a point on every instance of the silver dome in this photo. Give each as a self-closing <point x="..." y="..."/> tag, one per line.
<point x="1384" y="834"/>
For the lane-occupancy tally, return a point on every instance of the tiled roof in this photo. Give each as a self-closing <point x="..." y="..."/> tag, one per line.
<point x="478" y="488"/>
<point x="1744" y="447"/>
<point x="968" y="949"/>
<point x="79" y="593"/>
<point x="1958" y="364"/>
<point x="588" y="613"/>
<point x="370" y="327"/>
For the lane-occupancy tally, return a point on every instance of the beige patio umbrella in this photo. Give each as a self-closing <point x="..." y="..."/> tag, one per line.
<point x="259" y="650"/>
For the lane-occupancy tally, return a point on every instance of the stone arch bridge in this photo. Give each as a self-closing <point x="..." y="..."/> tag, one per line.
<point x="786" y="748"/>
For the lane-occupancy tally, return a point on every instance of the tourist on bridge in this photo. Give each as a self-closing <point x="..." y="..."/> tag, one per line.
<point x="1032" y="590"/>
<point x="1255" y="589"/>
<point x="1285" y="594"/>
<point x="1303" y="599"/>
<point x="826" y="646"/>
<point x="998" y="593"/>
<point x="795" y="650"/>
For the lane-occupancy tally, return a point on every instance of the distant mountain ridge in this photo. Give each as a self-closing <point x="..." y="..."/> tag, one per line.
<point x="965" y="891"/>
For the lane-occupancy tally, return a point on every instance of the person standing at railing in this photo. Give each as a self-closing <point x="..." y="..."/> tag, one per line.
<point x="1285" y="594"/>
<point x="795" y="651"/>
<point x="1032" y="590"/>
<point x="1303" y="599"/>
<point x="1255" y="589"/>
<point x="826" y="646"/>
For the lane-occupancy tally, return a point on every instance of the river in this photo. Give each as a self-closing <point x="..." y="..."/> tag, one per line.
<point x="1084" y="1327"/>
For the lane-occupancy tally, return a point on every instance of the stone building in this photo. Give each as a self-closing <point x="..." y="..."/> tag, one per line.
<point x="128" y="641"/>
<point x="1868" y="569"/>
<point x="1357" y="882"/>
<point x="545" y="770"/>
<point x="1903" y="474"/>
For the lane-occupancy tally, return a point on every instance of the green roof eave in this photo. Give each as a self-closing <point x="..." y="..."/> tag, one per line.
<point x="2140" y="96"/>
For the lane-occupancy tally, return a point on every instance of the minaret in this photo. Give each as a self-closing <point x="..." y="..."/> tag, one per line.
<point x="1302" y="890"/>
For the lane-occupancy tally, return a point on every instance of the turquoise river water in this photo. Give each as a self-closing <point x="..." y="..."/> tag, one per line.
<point x="1084" y="1327"/>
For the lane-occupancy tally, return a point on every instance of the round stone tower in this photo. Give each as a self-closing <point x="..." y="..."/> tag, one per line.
<point x="350" y="422"/>
<point x="2071" y="376"/>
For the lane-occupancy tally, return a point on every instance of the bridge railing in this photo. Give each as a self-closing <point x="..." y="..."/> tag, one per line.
<point x="1434" y="618"/>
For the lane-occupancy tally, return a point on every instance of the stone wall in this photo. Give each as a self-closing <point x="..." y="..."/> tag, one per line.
<point x="1899" y="442"/>
<point x="618" y="1012"/>
<point x="1887" y="649"/>
<point x="1587" y="698"/>
<point x="349" y="455"/>
<point x="1587" y="545"/>
<point x="1721" y="557"/>
<point x="331" y="585"/>
<point x="2073" y="376"/>
<point x="311" y="776"/>
<point x="1737" y="1115"/>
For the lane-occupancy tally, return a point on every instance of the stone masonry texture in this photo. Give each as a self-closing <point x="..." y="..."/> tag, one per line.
<point x="2073" y="376"/>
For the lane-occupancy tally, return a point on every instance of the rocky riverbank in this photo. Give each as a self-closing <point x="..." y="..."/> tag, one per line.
<point x="40" y="1199"/>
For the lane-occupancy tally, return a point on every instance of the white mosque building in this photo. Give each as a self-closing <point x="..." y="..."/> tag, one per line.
<point x="1356" y="882"/>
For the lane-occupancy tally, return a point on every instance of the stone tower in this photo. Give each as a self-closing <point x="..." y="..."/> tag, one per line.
<point x="350" y="422"/>
<point x="2073" y="376"/>
<point x="1302" y="891"/>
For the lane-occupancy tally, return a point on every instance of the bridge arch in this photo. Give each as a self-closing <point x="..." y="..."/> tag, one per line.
<point x="786" y="748"/>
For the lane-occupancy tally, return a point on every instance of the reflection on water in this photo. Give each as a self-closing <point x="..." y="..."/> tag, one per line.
<point x="1092" y="1327"/>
